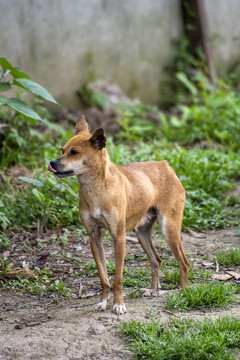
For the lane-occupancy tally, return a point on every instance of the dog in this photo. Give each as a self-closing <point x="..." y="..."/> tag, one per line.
<point x="120" y="199"/>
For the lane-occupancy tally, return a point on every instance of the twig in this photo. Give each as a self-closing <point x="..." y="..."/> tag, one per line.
<point x="170" y="313"/>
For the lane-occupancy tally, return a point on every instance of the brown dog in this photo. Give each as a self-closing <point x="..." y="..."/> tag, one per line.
<point x="120" y="199"/>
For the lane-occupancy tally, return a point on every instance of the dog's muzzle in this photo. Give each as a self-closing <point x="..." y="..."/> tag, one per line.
<point x="56" y="170"/>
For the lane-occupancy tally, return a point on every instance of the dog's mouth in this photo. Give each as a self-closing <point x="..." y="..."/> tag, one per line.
<point x="60" y="174"/>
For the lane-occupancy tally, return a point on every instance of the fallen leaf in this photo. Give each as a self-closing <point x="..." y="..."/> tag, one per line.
<point x="5" y="254"/>
<point x="42" y="260"/>
<point x="234" y="274"/>
<point x="208" y="263"/>
<point x="222" y="277"/>
<point x="195" y="234"/>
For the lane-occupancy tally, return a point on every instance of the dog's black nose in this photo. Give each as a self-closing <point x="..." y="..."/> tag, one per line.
<point x="53" y="164"/>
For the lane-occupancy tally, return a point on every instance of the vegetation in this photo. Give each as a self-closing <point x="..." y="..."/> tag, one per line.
<point x="184" y="339"/>
<point x="230" y="257"/>
<point x="203" y="295"/>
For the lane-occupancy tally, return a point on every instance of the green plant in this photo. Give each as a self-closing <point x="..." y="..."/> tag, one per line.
<point x="136" y="123"/>
<point x="19" y="118"/>
<point x="4" y="240"/>
<point x="23" y="81"/>
<point x="214" y="294"/>
<point x="140" y="278"/>
<point x="229" y="257"/>
<point x="91" y="268"/>
<point x="213" y="115"/>
<point x="43" y="202"/>
<point x="184" y="339"/>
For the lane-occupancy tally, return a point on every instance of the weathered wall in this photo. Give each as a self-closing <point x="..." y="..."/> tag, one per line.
<point x="224" y="28"/>
<point x="60" y="42"/>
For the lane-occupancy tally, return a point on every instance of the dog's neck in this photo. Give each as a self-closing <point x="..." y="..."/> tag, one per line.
<point x="100" y="173"/>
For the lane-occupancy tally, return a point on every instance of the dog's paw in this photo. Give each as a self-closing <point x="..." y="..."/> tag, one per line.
<point x="151" y="293"/>
<point x="101" y="306"/>
<point x="119" y="309"/>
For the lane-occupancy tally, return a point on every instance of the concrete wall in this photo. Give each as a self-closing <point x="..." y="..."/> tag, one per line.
<point x="59" y="43"/>
<point x="224" y="27"/>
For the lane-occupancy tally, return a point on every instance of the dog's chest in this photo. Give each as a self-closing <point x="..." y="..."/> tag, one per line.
<point x="95" y="215"/>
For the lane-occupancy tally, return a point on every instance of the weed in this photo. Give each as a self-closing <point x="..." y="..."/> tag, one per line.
<point x="91" y="268"/>
<point x="140" y="278"/>
<point x="213" y="115"/>
<point x="214" y="294"/>
<point x="183" y="339"/>
<point x="229" y="257"/>
<point x="4" y="241"/>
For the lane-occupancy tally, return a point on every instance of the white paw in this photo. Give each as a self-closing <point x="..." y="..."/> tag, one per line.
<point x="101" y="306"/>
<point x="151" y="293"/>
<point x="119" y="309"/>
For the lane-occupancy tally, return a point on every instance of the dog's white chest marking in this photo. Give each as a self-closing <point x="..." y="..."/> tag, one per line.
<point x="96" y="213"/>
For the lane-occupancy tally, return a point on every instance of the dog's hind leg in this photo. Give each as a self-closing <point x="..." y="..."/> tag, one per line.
<point x="144" y="236"/>
<point x="99" y="257"/>
<point x="171" y="229"/>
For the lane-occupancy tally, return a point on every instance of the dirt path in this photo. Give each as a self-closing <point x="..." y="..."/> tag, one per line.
<point x="65" y="328"/>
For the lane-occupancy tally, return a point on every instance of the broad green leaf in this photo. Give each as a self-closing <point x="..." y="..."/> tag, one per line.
<point x="35" y="89"/>
<point x="37" y="194"/>
<point x="175" y="121"/>
<point x="5" y="86"/>
<point x="16" y="72"/>
<point x="31" y="181"/>
<point x="189" y="85"/>
<point x="22" y="108"/>
<point x="3" y="100"/>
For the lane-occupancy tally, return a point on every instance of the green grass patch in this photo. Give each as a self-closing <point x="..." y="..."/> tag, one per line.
<point x="214" y="294"/>
<point x="188" y="340"/>
<point x="38" y="286"/>
<point x="229" y="257"/>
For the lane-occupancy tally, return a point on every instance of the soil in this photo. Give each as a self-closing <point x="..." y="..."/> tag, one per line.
<point x="51" y="326"/>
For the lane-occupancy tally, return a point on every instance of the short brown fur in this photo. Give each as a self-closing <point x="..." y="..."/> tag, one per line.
<point x="120" y="199"/>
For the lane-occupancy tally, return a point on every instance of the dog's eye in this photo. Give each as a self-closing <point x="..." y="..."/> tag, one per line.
<point x="73" y="152"/>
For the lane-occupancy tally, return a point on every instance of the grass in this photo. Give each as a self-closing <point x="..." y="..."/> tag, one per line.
<point x="208" y="295"/>
<point x="184" y="339"/>
<point x="38" y="286"/>
<point x="230" y="257"/>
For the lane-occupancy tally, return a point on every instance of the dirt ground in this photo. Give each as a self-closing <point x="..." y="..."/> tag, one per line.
<point x="51" y="326"/>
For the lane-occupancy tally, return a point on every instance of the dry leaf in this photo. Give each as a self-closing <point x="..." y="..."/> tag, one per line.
<point x="208" y="263"/>
<point x="234" y="274"/>
<point x="222" y="277"/>
<point x="5" y="254"/>
<point x="42" y="260"/>
<point x="195" y="234"/>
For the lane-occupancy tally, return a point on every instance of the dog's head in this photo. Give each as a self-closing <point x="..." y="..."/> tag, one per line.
<point x="80" y="153"/>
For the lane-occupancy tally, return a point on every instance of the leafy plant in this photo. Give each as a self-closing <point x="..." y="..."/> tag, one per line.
<point x="213" y="115"/>
<point x="16" y="132"/>
<point x="136" y="123"/>
<point x="22" y="80"/>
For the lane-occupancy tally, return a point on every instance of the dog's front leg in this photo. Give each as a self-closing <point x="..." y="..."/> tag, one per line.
<point x="119" y="244"/>
<point x="99" y="257"/>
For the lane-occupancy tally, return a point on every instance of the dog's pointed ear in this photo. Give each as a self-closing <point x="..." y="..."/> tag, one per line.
<point x="98" y="139"/>
<point x="81" y="126"/>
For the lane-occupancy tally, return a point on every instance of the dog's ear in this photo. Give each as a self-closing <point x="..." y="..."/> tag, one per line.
<point x="81" y="126"/>
<point x="98" y="139"/>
